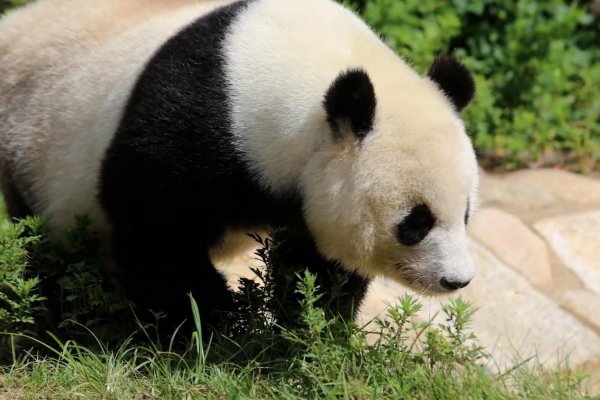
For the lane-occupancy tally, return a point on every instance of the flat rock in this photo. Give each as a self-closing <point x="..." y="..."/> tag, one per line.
<point x="566" y="186"/>
<point x="576" y="240"/>
<point x="584" y="304"/>
<point x="512" y="317"/>
<point x="499" y="190"/>
<point x="514" y="243"/>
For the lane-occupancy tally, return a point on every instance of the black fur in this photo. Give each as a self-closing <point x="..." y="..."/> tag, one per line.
<point x="454" y="79"/>
<point x="351" y="98"/>
<point x="416" y="226"/>
<point x="172" y="181"/>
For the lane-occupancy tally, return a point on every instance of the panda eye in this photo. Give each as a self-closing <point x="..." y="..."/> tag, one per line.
<point x="416" y="226"/>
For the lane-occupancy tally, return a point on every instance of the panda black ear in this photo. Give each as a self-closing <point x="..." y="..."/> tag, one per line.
<point x="350" y="101"/>
<point x="454" y="79"/>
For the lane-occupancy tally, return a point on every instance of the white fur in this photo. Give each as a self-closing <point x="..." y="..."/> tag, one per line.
<point x="279" y="72"/>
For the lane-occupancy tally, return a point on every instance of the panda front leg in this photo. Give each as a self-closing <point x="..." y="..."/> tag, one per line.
<point x="342" y="292"/>
<point x="161" y="265"/>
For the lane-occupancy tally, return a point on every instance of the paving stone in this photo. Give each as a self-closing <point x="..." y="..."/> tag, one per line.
<point x="563" y="185"/>
<point x="514" y="243"/>
<point x="512" y="317"/>
<point x="576" y="240"/>
<point x="498" y="190"/>
<point x="584" y="304"/>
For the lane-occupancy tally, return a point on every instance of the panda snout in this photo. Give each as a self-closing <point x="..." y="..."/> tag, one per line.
<point x="452" y="284"/>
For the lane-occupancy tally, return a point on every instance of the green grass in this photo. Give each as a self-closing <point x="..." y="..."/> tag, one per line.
<point x="319" y="365"/>
<point x="131" y="374"/>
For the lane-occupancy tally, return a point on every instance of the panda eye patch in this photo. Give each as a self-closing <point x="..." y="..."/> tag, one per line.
<point x="416" y="226"/>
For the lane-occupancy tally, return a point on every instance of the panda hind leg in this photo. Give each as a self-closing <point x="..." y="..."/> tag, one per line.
<point x="161" y="269"/>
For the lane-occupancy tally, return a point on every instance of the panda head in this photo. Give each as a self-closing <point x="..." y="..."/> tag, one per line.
<point x="390" y="191"/>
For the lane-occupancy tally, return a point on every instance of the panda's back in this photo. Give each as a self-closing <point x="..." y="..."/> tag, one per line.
<point x="67" y="68"/>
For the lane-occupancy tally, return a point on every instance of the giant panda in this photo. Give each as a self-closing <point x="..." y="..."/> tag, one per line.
<point x="179" y="125"/>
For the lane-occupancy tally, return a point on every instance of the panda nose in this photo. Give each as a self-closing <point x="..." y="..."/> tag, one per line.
<point x="453" y="285"/>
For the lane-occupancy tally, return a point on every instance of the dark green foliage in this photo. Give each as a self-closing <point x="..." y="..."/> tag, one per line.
<point x="536" y="63"/>
<point x="20" y="298"/>
<point x="75" y="281"/>
<point x="56" y="283"/>
<point x="8" y="4"/>
<point x="255" y="298"/>
<point x="272" y="303"/>
<point x="279" y="279"/>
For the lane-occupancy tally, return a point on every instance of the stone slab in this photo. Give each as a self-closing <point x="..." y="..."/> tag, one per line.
<point x="567" y="186"/>
<point x="500" y="191"/>
<point x="514" y="243"/>
<point x="576" y="240"/>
